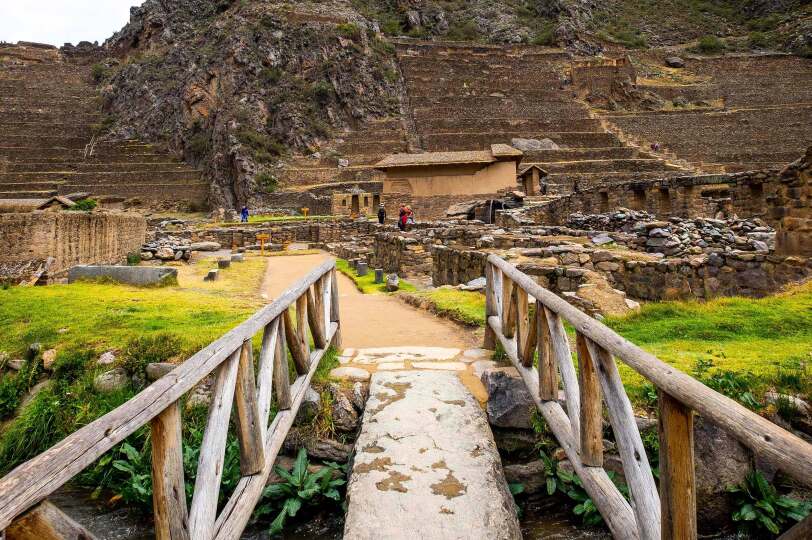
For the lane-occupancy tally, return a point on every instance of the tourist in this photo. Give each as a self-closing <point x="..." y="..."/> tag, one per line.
<point x="244" y="214"/>
<point x="381" y="214"/>
<point x="409" y="217"/>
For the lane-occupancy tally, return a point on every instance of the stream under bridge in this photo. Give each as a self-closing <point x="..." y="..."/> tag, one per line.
<point x="425" y="463"/>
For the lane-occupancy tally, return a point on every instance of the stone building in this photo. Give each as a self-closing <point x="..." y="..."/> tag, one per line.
<point x="530" y="178"/>
<point x="355" y="203"/>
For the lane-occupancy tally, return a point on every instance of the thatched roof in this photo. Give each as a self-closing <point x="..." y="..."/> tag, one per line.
<point x="497" y="152"/>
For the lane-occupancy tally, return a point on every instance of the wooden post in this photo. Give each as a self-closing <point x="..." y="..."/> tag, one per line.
<point x="489" y="342"/>
<point x="315" y="314"/>
<point x="591" y="407"/>
<point x="281" y="374"/>
<point x="47" y="522"/>
<point x="301" y="331"/>
<point x="334" y="311"/>
<point x="168" y="486"/>
<point x="548" y="376"/>
<point x="249" y="429"/>
<point x="508" y="308"/>
<point x="525" y="329"/>
<point x="267" y="352"/>
<point x="560" y="347"/>
<point x="677" y="478"/>
<point x="297" y="351"/>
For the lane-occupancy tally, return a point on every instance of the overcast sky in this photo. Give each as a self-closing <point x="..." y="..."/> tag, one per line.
<point x="62" y="21"/>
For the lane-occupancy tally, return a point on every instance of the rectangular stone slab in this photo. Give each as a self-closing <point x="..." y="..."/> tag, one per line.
<point x="426" y="465"/>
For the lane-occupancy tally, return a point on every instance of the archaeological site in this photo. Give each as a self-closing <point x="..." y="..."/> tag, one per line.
<point x="397" y="269"/>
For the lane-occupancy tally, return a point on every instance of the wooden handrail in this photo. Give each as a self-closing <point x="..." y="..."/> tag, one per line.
<point x="236" y="385"/>
<point x="671" y="514"/>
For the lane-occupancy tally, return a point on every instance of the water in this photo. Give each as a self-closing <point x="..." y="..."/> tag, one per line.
<point x="550" y="518"/>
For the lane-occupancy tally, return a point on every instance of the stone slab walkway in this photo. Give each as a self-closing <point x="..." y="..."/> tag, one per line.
<point x="426" y="465"/>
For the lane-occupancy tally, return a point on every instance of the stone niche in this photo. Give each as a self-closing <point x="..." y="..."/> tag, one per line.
<point x="360" y="203"/>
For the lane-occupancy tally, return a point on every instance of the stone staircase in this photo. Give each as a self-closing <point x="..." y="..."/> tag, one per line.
<point x="468" y="96"/>
<point x="49" y="113"/>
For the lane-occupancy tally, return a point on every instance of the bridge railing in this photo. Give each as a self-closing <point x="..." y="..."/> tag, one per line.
<point x="671" y="513"/>
<point x="236" y="385"/>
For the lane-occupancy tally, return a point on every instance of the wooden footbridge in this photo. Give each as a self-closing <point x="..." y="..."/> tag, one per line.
<point x="525" y="334"/>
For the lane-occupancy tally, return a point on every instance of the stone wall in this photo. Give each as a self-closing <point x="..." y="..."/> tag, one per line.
<point x="793" y="206"/>
<point x="751" y="194"/>
<point x="69" y="238"/>
<point x="310" y="232"/>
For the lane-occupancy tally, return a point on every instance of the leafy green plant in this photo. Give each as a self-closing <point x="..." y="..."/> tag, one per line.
<point x="550" y="473"/>
<point x="145" y="350"/>
<point x="13" y="386"/>
<point x="136" y="486"/>
<point x="735" y="385"/>
<point x="571" y="485"/>
<point x="301" y="487"/>
<point x="760" y="509"/>
<point x="133" y="258"/>
<point x="85" y="205"/>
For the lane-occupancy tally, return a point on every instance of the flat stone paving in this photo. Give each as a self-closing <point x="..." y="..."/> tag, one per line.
<point x="426" y="465"/>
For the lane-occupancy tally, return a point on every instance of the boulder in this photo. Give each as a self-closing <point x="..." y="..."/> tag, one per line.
<point x="165" y="254"/>
<point x="146" y="256"/>
<point x="48" y="359"/>
<point x="529" y="145"/>
<point x="509" y="402"/>
<point x="156" y="370"/>
<point x="530" y="475"/>
<point x="720" y="461"/>
<point x="106" y="358"/>
<point x="345" y="417"/>
<point x="310" y="407"/>
<point x="360" y="393"/>
<point x="392" y="282"/>
<point x="675" y="62"/>
<point x="110" y="381"/>
<point x="477" y="284"/>
<point x="205" y="246"/>
<point x="350" y="374"/>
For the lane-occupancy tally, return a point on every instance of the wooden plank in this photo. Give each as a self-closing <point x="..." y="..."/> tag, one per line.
<point x="335" y="313"/>
<point x="315" y="314"/>
<point x="281" y="373"/>
<point x="610" y="502"/>
<point x="301" y="332"/>
<point x="237" y="511"/>
<point x="591" y="407"/>
<point x="779" y="447"/>
<point x="212" y="451"/>
<point x="168" y="485"/>
<point x="489" y="341"/>
<point x="508" y="308"/>
<point x="548" y="375"/>
<point x="560" y="346"/>
<point x="267" y="353"/>
<point x="297" y="351"/>
<point x="326" y="298"/>
<point x="37" y="478"/>
<point x="677" y="477"/>
<point x="249" y="422"/>
<point x="47" y="522"/>
<point x="636" y="469"/>
<point x="525" y="331"/>
<point x="800" y="531"/>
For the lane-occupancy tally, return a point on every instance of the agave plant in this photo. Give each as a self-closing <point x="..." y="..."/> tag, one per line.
<point x="300" y="488"/>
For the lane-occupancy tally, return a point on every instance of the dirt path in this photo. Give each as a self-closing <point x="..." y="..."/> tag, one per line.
<point x="370" y="320"/>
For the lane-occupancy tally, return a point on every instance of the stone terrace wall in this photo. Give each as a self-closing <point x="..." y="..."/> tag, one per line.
<point x="750" y="194"/>
<point x="560" y="268"/>
<point x="794" y="208"/>
<point x="70" y="238"/>
<point x="317" y="232"/>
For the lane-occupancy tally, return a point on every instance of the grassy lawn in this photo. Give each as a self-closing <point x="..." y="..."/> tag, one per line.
<point x="466" y="307"/>
<point x="366" y="284"/>
<point x="272" y="219"/>
<point x="107" y="315"/>
<point x="760" y="336"/>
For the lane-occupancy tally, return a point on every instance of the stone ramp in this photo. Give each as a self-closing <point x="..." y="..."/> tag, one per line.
<point x="426" y="465"/>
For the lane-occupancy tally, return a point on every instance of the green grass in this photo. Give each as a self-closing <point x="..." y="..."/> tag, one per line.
<point x="760" y="336"/>
<point x="366" y="284"/>
<point x="466" y="307"/>
<point x="274" y="219"/>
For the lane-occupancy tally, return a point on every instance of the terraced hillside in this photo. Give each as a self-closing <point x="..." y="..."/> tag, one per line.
<point x="49" y="112"/>
<point x="465" y="97"/>
<point x="762" y="118"/>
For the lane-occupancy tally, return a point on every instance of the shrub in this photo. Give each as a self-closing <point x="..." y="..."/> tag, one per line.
<point x="145" y="350"/>
<point x="267" y="181"/>
<point x="198" y="145"/>
<point x="545" y="36"/>
<point x="710" y="45"/>
<point x="759" y="40"/>
<point x="264" y="147"/>
<point x="321" y="91"/>
<point x="349" y="30"/>
<point x="735" y="385"/>
<point x="85" y="205"/>
<point x="760" y="509"/>
<point x="133" y="258"/>
<point x="270" y="75"/>
<point x="99" y="72"/>
<point x="391" y="25"/>
<point x="466" y="31"/>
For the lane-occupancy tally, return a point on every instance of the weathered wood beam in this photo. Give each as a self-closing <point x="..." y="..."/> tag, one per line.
<point x="335" y="313"/>
<point x="168" y="485"/>
<point x="315" y="314"/>
<point x="548" y="374"/>
<point x="563" y="357"/>
<point x="267" y="352"/>
<point x="525" y="329"/>
<point x="46" y="522"/>
<point x="489" y="341"/>
<point x="281" y="373"/>
<point x="508" y="307"/>
<point x="677" y="476"/>
<point x="249" y="422"/>
<point x="591" y="407"/>
<point x="295" y="345"/>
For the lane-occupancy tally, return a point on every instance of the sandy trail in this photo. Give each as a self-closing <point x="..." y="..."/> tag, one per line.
<point x="370" y="320"/>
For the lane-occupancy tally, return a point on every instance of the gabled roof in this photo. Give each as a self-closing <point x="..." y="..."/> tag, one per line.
<point x="29" y="205"/>
<point x="497" y="152"/>
<point x="526" y="168"/>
